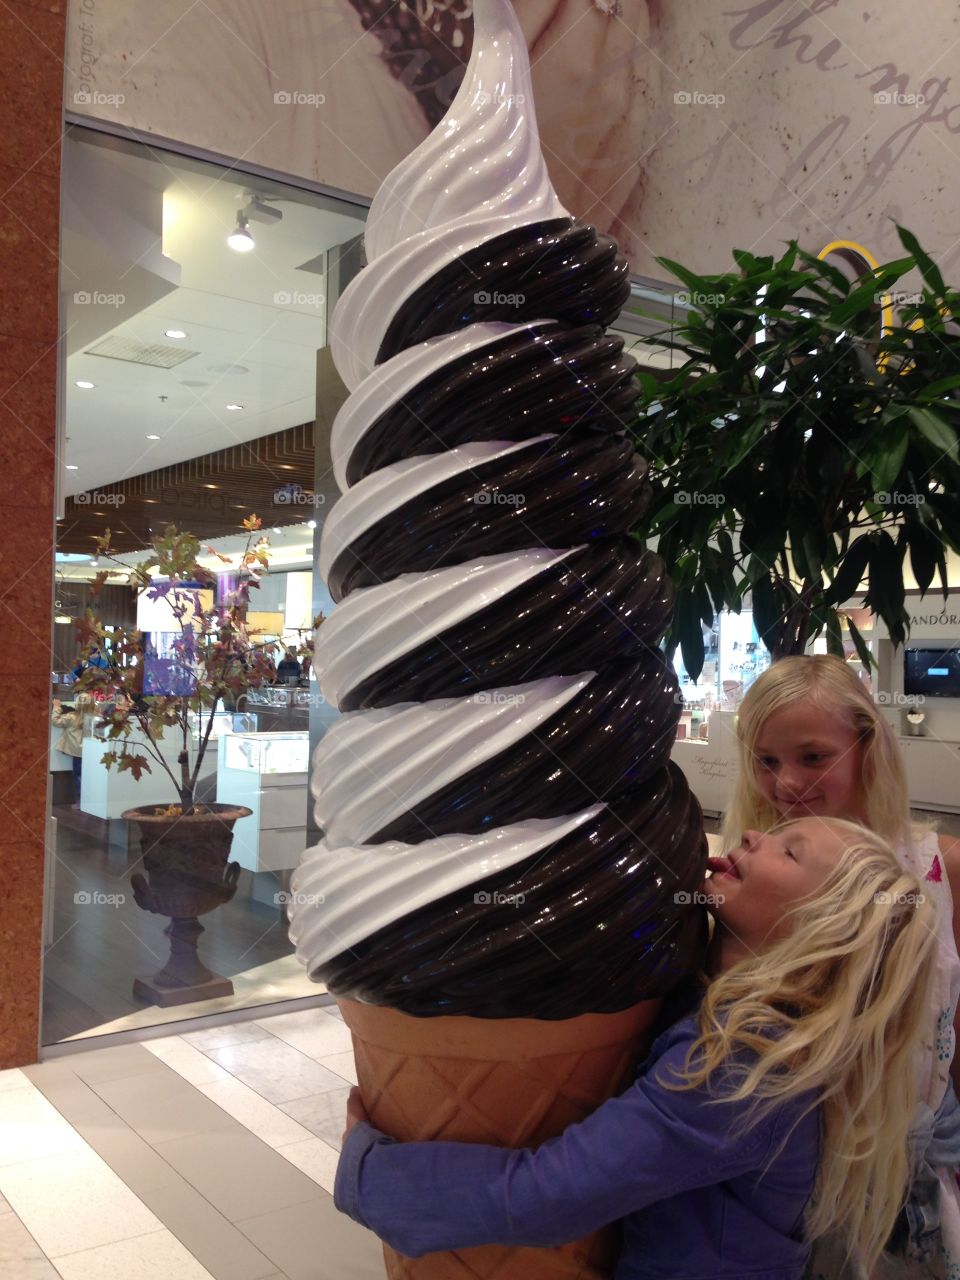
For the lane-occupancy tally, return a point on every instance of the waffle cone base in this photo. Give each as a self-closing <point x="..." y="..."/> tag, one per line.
<point x="510" y="1082"/>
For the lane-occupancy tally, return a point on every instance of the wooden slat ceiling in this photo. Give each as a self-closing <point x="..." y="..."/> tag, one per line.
<point x="208" y="496"/>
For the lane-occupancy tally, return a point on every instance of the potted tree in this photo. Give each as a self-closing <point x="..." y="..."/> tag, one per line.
<point x="808" y="440"/>
<point x="146" y="697"/>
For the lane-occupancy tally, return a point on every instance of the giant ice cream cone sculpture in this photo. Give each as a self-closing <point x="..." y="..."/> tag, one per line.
<point x="503" y="889"/>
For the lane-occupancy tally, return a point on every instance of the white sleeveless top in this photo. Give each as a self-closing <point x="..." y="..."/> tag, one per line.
<point x="924" y="861"/>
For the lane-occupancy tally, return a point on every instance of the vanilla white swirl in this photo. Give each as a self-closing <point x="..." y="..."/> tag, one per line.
<point x="377" y="495"/>
<point x="342" y="896"/>
<point x="372" y="766"/>
<point x="375" y="626"/>
<point x="395" y="378"/>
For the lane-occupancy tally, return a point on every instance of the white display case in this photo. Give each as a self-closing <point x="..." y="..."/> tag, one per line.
<point x="710" y="764"/>
<point x="267" y="772"/>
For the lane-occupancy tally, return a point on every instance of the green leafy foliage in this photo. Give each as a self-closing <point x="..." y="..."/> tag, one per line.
<point x="803" y="450"/>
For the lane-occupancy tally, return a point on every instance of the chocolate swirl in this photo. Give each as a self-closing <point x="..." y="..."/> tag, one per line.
<point x="504" y="833"/>
<point x="524" y="943"/>
<point x="530" y="381"/>
<point x="547" y="493"/>
<point x="563" y="269"/>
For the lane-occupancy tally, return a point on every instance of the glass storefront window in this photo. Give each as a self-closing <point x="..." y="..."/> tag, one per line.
<point x="191" y="376"/>
<point x="734" y="656"/>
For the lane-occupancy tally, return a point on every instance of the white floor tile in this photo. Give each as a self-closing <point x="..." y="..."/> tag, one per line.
<point x="187" y="1060"/>
<point x="157" y="1256"/>
<point x="269" y="1123"/>
<point x="74" y="1201"/>
<point x="21" y="1258"/>
<point x="325" y="1114"/>
<point x="343" y="1064"/>
<point x="13" y="1078"/>
<point x="312" y="1031"/>
<point x="315" y="1159"/>
<point x="231" y="1033"/>
<point x="31" y="1128"/>
<point x="276" y="1070"/>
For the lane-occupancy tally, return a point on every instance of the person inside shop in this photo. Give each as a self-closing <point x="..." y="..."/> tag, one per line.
<point x="96" y="658"/>
<point x="70" y="741"/>
<point x="811" y="741"/>
<point x="772" y="1112"/>
<point x="288" y="668"/>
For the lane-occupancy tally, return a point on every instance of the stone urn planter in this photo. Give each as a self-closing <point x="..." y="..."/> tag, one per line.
<point x="187" y="874"/>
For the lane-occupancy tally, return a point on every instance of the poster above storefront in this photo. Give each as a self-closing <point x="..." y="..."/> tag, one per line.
<point x="685" y="129"/>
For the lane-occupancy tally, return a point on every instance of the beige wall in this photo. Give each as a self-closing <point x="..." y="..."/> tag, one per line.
<point x="780" y="133"/>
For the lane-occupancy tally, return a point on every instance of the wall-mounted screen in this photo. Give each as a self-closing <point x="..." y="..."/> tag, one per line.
<point x="932" y="672"/>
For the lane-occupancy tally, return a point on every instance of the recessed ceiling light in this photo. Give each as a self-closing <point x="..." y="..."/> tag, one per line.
<point x="84" y="385"/>
<point x="276" y="530"/>
<point x="234" y="406"/>
<point x="311" y="524"/>
<point x="211" y="486"/>
<point x="174" y="333"/>
<point x="71" y="466"/>
<point x="153" y="437"/>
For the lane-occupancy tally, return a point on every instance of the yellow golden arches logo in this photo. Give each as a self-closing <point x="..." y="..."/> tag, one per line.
<point x="862" y="260"/>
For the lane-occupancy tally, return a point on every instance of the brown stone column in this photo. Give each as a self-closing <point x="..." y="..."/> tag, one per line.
<point x="31" y="107"/>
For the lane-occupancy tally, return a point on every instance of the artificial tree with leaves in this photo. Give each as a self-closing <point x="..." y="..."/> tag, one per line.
<point x="807" y="440"/>
<point x="214" y="657"/>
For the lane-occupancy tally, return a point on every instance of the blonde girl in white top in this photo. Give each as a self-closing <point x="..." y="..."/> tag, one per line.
<point x="813" y="743"/>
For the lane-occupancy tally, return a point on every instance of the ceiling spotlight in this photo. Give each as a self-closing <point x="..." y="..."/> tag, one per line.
<point x="153" y="437"/>
<point x="275" y="529"/>
<point x="240" y="238"/>
<point x="71" y="466"/>
<point x="174" y="333"/>
<point x="234" y="406"/>
<point x="311" y="524"/>
<point x="85" y="386"/>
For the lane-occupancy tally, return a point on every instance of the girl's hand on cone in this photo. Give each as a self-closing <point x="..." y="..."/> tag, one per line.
<point x="355" y="1111"/>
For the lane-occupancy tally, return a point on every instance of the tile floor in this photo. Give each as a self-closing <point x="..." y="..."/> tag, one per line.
<point x="204" y="1156"/>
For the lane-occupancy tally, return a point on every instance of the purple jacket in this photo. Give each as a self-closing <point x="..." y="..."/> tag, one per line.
<point x="677" y="1169"/>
